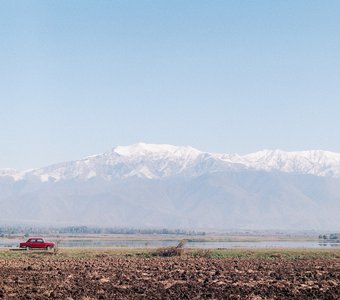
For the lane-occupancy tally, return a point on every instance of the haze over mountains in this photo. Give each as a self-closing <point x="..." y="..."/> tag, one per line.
<point x="147" y="185"/>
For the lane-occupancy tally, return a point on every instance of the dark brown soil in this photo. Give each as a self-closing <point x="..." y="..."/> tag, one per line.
<point x="107" y="277"/>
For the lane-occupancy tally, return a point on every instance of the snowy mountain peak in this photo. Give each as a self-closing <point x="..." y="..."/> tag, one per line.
<point x="143" y="149"/>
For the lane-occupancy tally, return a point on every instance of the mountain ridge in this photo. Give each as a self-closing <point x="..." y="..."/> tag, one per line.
<point x="163" y="160"/>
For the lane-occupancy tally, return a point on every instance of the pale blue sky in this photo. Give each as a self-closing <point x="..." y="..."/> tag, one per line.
<point x="79" y="77"/>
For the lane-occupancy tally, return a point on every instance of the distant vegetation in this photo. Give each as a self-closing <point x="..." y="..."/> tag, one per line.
<point x="332" y="237"/>
<point x="29" y="230"/>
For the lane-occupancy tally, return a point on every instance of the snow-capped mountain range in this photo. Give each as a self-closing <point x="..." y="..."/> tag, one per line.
<point x="159" y="161"/>
<point x="147" y="185"/>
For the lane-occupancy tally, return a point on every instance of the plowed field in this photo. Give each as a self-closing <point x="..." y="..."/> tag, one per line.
<point x="109" y="277"/>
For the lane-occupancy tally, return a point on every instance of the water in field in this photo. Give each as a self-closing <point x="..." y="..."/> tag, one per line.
<point x="197" y="244"/>
<point x="154" y="243"/>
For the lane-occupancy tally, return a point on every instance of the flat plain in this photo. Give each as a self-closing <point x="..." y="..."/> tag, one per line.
<point x="196" y="274"/>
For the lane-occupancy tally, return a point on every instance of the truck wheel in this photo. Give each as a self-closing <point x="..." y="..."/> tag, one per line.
<point x="48" y="248"/>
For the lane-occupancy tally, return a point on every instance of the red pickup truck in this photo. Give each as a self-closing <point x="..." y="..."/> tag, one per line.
<point x="37" y="243"/>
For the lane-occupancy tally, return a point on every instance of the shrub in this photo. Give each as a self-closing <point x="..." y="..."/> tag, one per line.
<point x="170" y="251"/>
<point x="202" y="253"/>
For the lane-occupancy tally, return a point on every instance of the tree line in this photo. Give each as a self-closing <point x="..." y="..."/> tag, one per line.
<point x="29" y="230"/>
